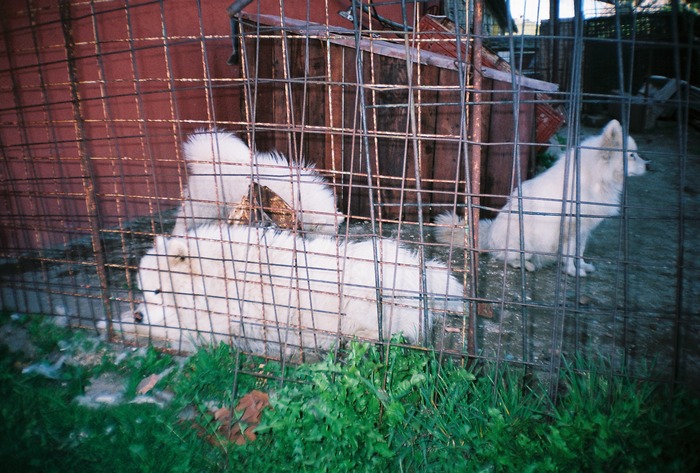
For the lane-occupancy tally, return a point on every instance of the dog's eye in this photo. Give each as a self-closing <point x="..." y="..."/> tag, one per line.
<point x="156" y="292"/>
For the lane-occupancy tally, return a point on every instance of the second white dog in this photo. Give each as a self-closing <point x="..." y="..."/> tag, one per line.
<point x="221" y="168"/>
<point x="585" y="195"/>
<point x="272" y="292"/>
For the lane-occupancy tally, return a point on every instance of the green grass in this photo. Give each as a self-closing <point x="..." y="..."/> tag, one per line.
<point x="369" y="409"/>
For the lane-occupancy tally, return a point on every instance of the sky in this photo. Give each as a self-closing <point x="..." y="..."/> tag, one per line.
<point x="529" y="8"/>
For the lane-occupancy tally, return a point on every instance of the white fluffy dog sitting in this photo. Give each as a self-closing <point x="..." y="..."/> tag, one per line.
<point x="271" y="292"/>
<point x="221" y="168"/>
<point x="553" y="195"/>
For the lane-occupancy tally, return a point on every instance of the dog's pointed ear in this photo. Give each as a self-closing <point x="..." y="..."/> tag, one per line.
<point x="177" y="250"/>
<point x="612" y="135"/>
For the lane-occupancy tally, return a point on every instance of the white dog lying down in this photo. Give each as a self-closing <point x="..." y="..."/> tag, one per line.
<point x="551" y="195"/>
<point x="271" y="292"/>
<point x="221" y="167"/>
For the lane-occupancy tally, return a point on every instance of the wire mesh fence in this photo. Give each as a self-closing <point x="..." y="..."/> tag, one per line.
<point x="288" y="176"/>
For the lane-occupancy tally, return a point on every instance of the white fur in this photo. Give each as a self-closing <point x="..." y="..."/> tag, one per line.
<point x="272" y="292"/>
<point x="221" y="167"/>
<point x="545" y="203"/>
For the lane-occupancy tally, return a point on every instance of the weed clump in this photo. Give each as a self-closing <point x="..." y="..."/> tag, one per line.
<point x="367" y="408"/>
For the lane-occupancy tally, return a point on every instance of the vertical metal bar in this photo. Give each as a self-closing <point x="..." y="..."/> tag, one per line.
<point x="362" y="108"/>
<point x="89" y="178"/>
<point x="113" y="134"/>
<point x="554" y="32"/>
<point x="412" y="125"/>
<point x="472" y="212"/>
<point x="560" y="311"/>
<point x="623" y="245"/>
<point x="516" y="174"/>
<point x="475" y="129"/>
<point x="682" y="123"/>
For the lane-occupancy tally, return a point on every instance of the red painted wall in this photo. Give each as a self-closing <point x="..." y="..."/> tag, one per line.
<point x="146" y="74"/>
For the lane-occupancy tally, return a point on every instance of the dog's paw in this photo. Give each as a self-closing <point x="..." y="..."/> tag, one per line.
<point x="529" y="265"/>
<point x="587" y="267"/>
<point x="572" y="271"/>
<point x="577" y="267"/>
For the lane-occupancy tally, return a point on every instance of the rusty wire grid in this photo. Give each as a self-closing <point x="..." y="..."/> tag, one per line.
<point x="404" y="116"/>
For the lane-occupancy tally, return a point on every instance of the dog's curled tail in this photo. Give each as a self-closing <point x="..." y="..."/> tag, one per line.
<point x="207" y="147"/>
<point x="451" y="229"/>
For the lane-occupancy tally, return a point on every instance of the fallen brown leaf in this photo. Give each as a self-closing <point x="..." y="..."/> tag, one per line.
<point x="239" y="426"/>
<point x="252" y="405"/>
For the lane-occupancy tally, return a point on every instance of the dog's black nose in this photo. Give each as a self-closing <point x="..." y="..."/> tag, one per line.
<point x="138" y="316"/>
